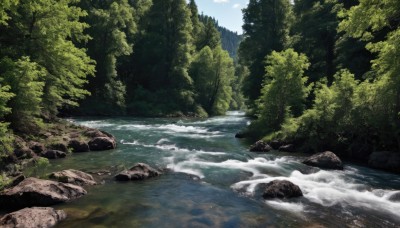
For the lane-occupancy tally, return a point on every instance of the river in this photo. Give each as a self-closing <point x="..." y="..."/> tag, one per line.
<point x="216" y="182"/>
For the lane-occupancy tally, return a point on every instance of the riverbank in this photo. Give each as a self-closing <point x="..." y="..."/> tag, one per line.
<point x="56" y="140"/>
<point x="361" y="154"/>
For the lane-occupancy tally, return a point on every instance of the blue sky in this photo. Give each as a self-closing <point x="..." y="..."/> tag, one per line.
<point x="227" y="12"/>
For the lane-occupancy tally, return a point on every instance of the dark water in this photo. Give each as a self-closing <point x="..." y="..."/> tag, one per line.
<point x="216" y="182"/>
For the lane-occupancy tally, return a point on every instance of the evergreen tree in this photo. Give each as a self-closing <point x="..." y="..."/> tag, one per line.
<point x="316" y="24"/>
<point x="162" y="60"/>
<point x="209" y="36"/>
<point x="266" y="28"/>
<point x="197" y="26"/>
<point x="111" y="23"/>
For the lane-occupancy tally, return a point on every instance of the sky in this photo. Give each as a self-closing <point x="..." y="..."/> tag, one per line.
<point x="227" y="12"/>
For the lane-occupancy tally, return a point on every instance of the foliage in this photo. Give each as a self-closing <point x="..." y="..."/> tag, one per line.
<point x="266" y="28"/>
<point x="284" y="92"/>
<point x="45" y="30"/>
<point x="213" y="72"/>
<point x="331" y="119"/>
<point x="26" y="81"/>
<point x="111" y="24"/>
<point x="162" y="57"/>
<point x="6" y="5"/>
<point x="238" y="100"/>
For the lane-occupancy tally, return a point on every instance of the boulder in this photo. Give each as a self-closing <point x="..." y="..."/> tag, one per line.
<point x="93" y="133"/>
<point x="61" y="146"/>
<point x="287" y="148"/>
<point x="275" y="144"/>
<point x="102" y="143"/>
<point x="33" y="217"/>
<point x="240" y="135"/>
<point x="140" y="171"/>
<point x="72" y="176"/>
<point x="78" y="146"/>
<point x="260" y="146"/>
<point x="325" y="160"/>
<point x="385" y="160"/>
<point x="24" y="152"/>
<point x="53" y="154"/>
<point x="395" y="197"/>
<point x="36" y="192"/>
<point x="36" y="147"/>
<point x="281" y="189"/>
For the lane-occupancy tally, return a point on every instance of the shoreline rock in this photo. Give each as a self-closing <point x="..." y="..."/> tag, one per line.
<point x="36" y="192"/>
<point x="324" y="160"/>
<point x="53" y="154"/>
<point x="33" y="217"/>
<point x="260" y="146"/>
<point x="102" y="143"/>
<point x="139" y="171"/>
<point x="281" y="189"/>
<point x="72" y="176"/>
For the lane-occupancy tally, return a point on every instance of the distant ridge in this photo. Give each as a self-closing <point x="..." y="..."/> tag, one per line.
<point x="230" y="40"/>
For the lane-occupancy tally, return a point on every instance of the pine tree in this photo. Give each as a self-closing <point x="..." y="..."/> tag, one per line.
<point x="162" y="59"/>
<point x="266" y="28"/>
<point x="111" y="23"/>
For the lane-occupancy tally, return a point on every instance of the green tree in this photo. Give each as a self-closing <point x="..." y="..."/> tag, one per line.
<point x="213" y="72"/>
<point x="26" y="81"/>
<point x="332" y="120"/>
<point x="209" y="36"/>
<point x="238" y="100"/>
<point x="266" y="28"/>
<point x="111" y="23"/>
<point x="316" y="25"/>
<point x="6" y="5"/>
<point x="197" y="26"/>
<point x="162" y="58"/>
<point x="45" y="31"/>
<point x="363" y="21"/>
<point x="5" y="135"/>
<point x="284" y="89"/>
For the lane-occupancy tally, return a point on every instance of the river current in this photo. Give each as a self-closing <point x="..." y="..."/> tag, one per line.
<point x="214" y="181"/>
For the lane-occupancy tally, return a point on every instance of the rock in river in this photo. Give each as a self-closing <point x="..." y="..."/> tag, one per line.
<point x="140" y="171"/>
<point x="36" y="192"/>
<point x="102" y="143"/>
<point x="72" y="176"/>
<point x="281" y="189"/>
<point x="78" y="146"/>
<point x="33" y="217"/>
<point x="325" y="160"/>
<point x="54" y="154"/>
<point x="260" y="146"/>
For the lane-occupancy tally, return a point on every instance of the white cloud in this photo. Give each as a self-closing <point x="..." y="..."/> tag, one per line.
<point x="221" y="1"/>
<point x="237" y="6"/>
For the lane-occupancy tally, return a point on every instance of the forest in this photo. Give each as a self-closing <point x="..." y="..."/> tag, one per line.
<point x="324" y="74"/>
<point x="152" y="114"/>
<point x="94" y="57"/>
<point x="321" y="74"/>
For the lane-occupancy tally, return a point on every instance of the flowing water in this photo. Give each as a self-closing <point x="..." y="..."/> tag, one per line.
<point x="216" y="182"/>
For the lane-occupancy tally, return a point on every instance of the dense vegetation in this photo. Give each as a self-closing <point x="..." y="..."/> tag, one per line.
<point x="343" y="92"/>
<point x="136" y="57"/>
<point x="322" y="74"/>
